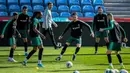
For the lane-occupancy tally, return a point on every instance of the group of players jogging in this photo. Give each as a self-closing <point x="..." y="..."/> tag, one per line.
<point x="25" y="27"/>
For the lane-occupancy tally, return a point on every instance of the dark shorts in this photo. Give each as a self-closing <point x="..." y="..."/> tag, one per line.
<point x="99" y="34"/>
<point x="77" y="40"/>
<point x="114" y="46"/>
<point x="12" y="41"/>
<point x="23" y="33"/>
<point x="37" y="41"/>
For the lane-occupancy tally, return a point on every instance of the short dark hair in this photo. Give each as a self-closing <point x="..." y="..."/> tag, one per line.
<point x="74" y="13"/>
<point x="15" y="13"/>
<point x="49" y="3"/>
<point x="99" y="7"/>
<point x="25" y="7"/>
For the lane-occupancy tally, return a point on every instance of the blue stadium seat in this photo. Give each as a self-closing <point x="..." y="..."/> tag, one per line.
<point x="25" y="2"/>
<point x="54" y="9"/>
<point x="85" y="2"/>
<point x="46" y="1"/>
<point x="61" y="2"/>
<point x="75" y="8"/>
<point x="65" y="14"/>
<point x="38" y="8"/>
<point x="30" y="13"/>
<point x="3" y="7"/>
<point x="98" y="2"/>
<point x="37" y="2"/>
<point x="88" y="8"/>
<point x="73" y="2"/>
<point x="96" y="9"/>
<point x="11" y="13"/>
<point x="89" y="14"/>
<point x="29" y="7"/>
<point x="63" y="8"/>
<point x="79" y="14"/>
<point x="3" y="14"/>
<point x="55" y="14"/>
<point x="9" y="2"/>
<point x="2" y="1"/>
<point x="14" y="8"/>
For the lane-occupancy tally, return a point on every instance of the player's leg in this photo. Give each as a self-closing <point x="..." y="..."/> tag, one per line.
<point x="29" y="55"/>
<point x="96" y="44"/>
<point x="109" y="59"/>
<point x="51" y="34"/>
<point x="97" y="40"/>
<point x="78" y="45"/>
<point x="40" y="53"/>
<point x="25" y="46"/>
<point x="120" y="60"/>
<point x="63" y="51"/>
<point x="105" y="34"/>
<point x="25" y="40"/>
<point x="112" y="46"/>
<point x="13" y="47"/>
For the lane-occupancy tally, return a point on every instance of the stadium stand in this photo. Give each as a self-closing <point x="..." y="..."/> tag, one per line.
<point x="63" y="8"/>
<point x="65" y="14"/>
<point x="3" y="7"/>
<point x="120" y="8"/>
<point x="62" y="2"/>
<point x="75" y="8"/>
<point x="2" y="1"/>
<point x="37" y="2"/>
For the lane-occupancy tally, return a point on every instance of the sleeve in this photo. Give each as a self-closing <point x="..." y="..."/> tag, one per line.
<point x="68" y="26"/>
<point x="106" y="21"/>
<point x="3" y="31"/>
<point x="122" y="31"/>
<point x="94" y="22"/>
<point x="111" y="26"/>
<point x="87" y="25"/>
<point x="28" y="23"/>
<point x="35" y="23"/>
<point x="45" y="17"/>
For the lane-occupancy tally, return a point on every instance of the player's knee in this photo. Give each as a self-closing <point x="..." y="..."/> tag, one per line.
<point x="78" y="45"/>
<point x="117" y="52"/>
<point x="35" y="48"/>
<point x="106" y="39"/>
<point x="108" y="52"/>
<point x="67" y="43"/>
<point x="13" y="46"/>
<point x="97" y="40"/>
<point x="25" y="40"/>
<point x="41" y="46"/>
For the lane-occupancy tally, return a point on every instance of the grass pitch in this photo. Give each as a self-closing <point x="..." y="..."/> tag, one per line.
<point x="86" y="61"/>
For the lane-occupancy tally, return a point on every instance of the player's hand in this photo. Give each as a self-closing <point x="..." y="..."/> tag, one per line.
<point x="92" y="34"/>
<point x="60" y="37"/>
<point x="43" y="36"/>
<point x="101" y="29"/>
<point x="19" y="35"/>
<point x="125" y="40"/>
<point x="28" y="31"/>
<point x="2" y="36"/>
<point x="56" y="25"/>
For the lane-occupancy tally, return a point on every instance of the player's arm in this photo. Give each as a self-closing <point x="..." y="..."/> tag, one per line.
<point x="94" y="22"/>
<point x="46" y="17"/>
<point x="110" y="27"/>
<point x="123" y="33"/>
<point x="54" y="24"/>
<point x="36" y="30"/>
<point x="28" y="24"/>
<point x="106" y="21"/>
<point x="4" y="29"/>
<point x="68" y="26"/>
<point x="90" y="29"/>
